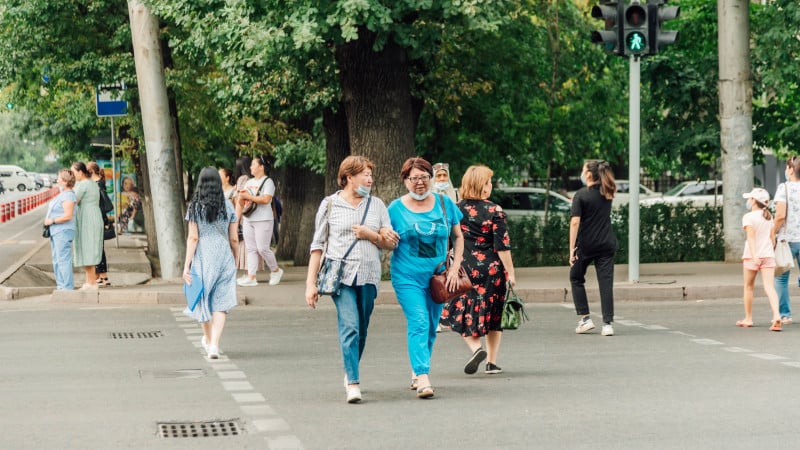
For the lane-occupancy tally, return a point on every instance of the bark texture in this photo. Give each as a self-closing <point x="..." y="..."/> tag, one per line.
<point x="736" y="118"/>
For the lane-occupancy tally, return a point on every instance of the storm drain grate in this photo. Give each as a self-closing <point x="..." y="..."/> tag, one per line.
<point x="136" y="334"/>
<point x="199" y="429"/>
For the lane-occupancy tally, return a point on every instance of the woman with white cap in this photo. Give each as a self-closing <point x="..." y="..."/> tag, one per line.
<point x="759" y="256"/>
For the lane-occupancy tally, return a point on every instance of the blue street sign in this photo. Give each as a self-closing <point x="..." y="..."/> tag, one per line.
<point x="108" y="99"/>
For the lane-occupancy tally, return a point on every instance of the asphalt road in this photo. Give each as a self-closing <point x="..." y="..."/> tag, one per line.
<point x="676" y="375"/>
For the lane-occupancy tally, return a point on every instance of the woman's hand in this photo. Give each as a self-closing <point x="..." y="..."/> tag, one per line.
<point x="48" y="221"/>
<point x="187" y="276"/>
<point x="390" y="236"/>
<point x="362" y="231"/>
<point x="312" y="296"/>
<point x="452" y="277"/>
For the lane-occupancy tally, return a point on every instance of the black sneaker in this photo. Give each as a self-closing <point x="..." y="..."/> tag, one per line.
<point x="492" y="368"/>
<point x="475" y="361"/>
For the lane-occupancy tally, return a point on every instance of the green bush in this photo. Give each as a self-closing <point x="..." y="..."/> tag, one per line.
<point x="669" y="233"/>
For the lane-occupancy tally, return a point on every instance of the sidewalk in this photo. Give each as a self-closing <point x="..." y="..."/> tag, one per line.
<point x="132" y="282"/>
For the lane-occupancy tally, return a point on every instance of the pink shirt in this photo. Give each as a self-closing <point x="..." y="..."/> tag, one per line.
<point x="763" y="230"/>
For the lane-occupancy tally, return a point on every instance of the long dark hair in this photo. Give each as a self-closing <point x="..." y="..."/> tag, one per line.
<point x="208" y="201"/>
<point x="243" y="167"/>
<point x="601" y="171"/>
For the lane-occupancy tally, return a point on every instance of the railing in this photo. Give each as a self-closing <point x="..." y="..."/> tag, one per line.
<point x="12" y="209"/>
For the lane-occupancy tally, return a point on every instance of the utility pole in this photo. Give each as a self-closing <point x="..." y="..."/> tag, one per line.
<point x="735" y="118"/>
<point x="166" y="186"/>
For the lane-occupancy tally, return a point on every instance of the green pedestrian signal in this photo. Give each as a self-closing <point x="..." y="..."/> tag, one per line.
<point x="635" y="42"/>
<point x="10" y="105"/>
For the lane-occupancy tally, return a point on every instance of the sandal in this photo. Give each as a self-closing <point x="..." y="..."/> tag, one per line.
<point x="776" y="325"/>
<point x="742" y="323"/>
<point x="425" y="392"/>
<point x="414" y="384"/>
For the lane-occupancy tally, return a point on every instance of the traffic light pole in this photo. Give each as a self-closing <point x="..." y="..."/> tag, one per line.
<point x="634" y="136"/>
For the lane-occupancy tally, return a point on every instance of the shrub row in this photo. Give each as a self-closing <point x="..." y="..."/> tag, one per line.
<point x="669" y="233"/>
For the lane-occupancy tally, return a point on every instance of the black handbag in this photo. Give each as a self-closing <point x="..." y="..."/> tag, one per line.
<point x="45" y="231"/>
<point x="108" y="229"/>
<point x="106" y="205"/>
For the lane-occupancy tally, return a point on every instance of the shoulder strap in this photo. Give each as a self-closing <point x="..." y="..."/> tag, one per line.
<point x="363" y="219"/>
<point x="258" y="192"/>
<point x="786" y="215"/>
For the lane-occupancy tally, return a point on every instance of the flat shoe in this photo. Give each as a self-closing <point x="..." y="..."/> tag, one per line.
<point x="742" y="323"/>
<point x="414" y="384"/>
<point x="425" y="392"/>
<point x="475" y="361"/>
<point x="776" y="325"/>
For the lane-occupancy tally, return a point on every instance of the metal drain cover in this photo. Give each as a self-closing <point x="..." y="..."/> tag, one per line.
<point x="136" y="334"/>
<point x="199" y="429"/>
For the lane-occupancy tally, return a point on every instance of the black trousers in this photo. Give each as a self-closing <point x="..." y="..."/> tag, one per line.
<point x="604" y="265"/>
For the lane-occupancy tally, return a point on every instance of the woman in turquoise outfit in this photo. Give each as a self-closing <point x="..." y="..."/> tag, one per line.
<point x="88" y="244"/>
<point x="211" y="250"/>
<point x="420" y="220"/>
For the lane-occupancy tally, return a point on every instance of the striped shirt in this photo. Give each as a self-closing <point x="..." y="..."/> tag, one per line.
<point x="364" y="261"/>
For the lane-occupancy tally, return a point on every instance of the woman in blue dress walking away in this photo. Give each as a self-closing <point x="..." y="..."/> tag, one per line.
<point x="211" y="250"/>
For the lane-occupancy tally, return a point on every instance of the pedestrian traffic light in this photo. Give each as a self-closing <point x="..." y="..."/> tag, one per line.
<point x="611" y="37"/>
<point x="636" y="34"/>
<point x="10" y="105"/>
<point x="657" y="14"/>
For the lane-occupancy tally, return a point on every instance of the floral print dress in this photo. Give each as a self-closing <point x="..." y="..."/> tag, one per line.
<point x="485" y="233"/>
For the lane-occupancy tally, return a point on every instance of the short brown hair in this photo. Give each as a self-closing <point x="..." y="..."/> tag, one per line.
<point x="473" y="181"/>
<point x="67" y="176"/>
<point x="415" y="163"/>
<point x="353" y="165"/>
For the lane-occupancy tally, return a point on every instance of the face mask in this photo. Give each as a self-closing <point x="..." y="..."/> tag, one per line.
<point x="442" y="185"/>
<point x="583" y="180"/>
<point x="363" y="190"/>
<point x="419" y="197"/>
<point x="749" y="204"/>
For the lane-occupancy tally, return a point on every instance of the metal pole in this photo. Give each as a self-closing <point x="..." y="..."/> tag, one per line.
<point x="114" y="181"/>
<point x="634" y="130"/>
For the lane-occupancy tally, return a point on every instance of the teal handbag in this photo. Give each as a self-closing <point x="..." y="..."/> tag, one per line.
<point x="513" y="311"/>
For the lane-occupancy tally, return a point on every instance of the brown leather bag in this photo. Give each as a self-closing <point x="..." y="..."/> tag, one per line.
<point x="438" y="285"/>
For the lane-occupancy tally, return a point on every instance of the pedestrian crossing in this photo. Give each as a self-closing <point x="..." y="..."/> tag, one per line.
<point x="17" y="242"/>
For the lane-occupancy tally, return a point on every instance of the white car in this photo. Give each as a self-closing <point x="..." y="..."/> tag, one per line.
<point x="696" y="193"/>
<point x="528" y="201"/>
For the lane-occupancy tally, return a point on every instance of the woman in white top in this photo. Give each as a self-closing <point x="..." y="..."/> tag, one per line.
<point x="787" y="226"/>
<point x="257" y="227"/>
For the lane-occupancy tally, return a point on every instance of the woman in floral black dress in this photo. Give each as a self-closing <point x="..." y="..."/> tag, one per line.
<point x="487" y="259"/>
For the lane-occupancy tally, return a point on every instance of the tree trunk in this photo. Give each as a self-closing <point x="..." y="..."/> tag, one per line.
<point x="300" y="199"/>
<point x="376" y="93"/>
<point x="167" y="188"/>
<point x="736" y="118"/>
<point x="337" y="145"/>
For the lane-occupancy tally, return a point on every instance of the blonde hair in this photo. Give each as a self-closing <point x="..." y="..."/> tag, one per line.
<point x="473" y="181"/>
<point x="68" y="177"/>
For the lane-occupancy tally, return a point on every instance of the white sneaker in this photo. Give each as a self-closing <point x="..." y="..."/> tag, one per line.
<point x="204" y="344"/>
<point x="213" y="352"/>
<point x="608" y="330"/>
<point x="242" y="278"/>
<point x="584" y="325"/>
<point x="248" y="282"/>
<point x="353" y="394"/>
<point x="275" y="277"/>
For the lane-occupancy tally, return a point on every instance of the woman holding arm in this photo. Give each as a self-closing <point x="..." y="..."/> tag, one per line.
<point x="419" y="218"/>
<point x="211" y="250"/>
<point x="338" y="224"/>
<point x="61" y="219"/>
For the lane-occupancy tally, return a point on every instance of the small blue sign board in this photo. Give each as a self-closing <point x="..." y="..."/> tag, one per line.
<point x="109" y="102"/>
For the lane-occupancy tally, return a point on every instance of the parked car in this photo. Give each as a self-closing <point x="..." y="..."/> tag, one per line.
<point x="697" y="193"/>
<point x="15" y="177"/>
<point x="527" y="201"/>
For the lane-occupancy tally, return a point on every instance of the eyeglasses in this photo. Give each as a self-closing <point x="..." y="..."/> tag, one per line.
<point x="423" y="179"/>
<point x="441" y="166"/>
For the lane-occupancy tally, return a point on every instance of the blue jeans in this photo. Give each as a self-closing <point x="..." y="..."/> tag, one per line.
<point x="61" y="252"/>
<point x="422" y="316"/>
<point x="782" y="283"/>
<point x="354" y="306"/>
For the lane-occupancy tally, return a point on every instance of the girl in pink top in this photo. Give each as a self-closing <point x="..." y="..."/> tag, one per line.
<point x="759" y="256"/>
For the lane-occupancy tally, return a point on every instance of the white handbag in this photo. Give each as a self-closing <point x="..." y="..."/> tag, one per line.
<point x="783" y="253"/>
